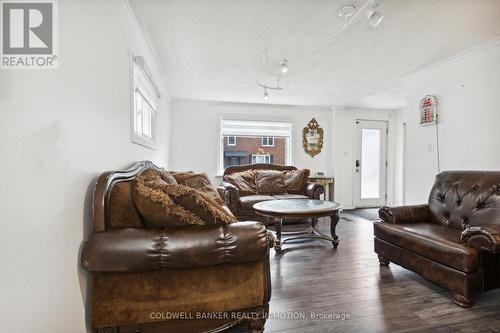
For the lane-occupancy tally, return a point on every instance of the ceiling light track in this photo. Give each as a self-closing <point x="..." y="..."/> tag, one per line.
<point x="374" y="16"/>
<point x="349" y="14"/>
<point x="266" y="88"/>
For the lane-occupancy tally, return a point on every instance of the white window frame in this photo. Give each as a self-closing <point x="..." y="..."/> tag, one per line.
<point x="145" y="101"/>
<point x="231" y="116"/>
<point x="267" y="139"/>
<point x="231" y="144"/>
<point x="267" y="158"/>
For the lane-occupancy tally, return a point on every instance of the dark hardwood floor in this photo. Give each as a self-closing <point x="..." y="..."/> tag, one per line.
<point x="312" y="277"/>
<point x="365" y="213"/>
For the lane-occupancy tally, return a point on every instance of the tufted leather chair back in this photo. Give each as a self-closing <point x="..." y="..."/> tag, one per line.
<point x="460" y="199"/>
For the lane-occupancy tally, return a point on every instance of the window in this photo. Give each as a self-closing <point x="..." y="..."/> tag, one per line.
<point x="261" y="159"/>
<point x="144" y="114"/>
<point x="267" y="141"/>
<point x="254" y="141"/>
<point x="145" y="104"/>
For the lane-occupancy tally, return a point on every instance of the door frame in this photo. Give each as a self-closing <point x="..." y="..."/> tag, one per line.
<point x="355" y="183"/>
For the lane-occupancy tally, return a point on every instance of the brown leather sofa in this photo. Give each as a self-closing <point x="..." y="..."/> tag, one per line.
<point x="242" y="205"/>
<point x="179" y="279"/>
<point x="454" y="240"/>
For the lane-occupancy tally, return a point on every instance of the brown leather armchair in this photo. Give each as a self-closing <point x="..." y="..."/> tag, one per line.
<point x="454" y="240"/>
<point x="241" y="205"/>
<point x="177" y="279"/>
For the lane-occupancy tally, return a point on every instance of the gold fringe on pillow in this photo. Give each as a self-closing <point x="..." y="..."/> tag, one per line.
<point x="157" y="190"/>
<point x="171" y="208"/>
<point x="215" y="209"/>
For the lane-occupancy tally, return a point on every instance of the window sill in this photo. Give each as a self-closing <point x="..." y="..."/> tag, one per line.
<point x="143" y="142"/>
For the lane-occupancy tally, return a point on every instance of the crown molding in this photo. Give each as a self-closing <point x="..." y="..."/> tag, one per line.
<point x="253" y="105"/>
<point x="368" y="109"/>
<point x="452" y="59"/>
<point x="145" y="44"/>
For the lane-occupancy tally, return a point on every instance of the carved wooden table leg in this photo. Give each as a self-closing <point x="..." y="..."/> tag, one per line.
<point x="267" y="221"/>
<point x="278" y="226"/>
<point x="333" y="224"/>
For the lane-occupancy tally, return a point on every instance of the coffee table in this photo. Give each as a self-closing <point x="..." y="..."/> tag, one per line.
<point x="278" y="210"/>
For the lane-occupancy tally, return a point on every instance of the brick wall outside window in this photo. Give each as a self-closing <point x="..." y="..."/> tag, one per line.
<point x="246" y="146"/>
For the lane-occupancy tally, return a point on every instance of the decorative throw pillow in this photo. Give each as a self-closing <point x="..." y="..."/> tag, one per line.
<point x="296" y="181"/>
<point x="226" y="208"/>
<point x="168" y="177"/>
<point x="151" y="175"/>
<point x="199" y="204"/>
<point x="270" y="182"/>
<point x="149" y="201"/>
<point x="200" y="182"/>
<point x="180" y="176"/>
<point x="244" y="181"/>
<point x="163" y="204"/>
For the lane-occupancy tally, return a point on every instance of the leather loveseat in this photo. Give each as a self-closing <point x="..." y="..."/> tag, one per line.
<point x="240" y="199"/>
<point x="194" y="278"/>
<point x="454" y="239"/>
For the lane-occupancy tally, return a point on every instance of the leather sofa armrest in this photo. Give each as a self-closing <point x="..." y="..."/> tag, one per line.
<point x="314" y="191"/>
<point x="233" y="196"/>
<point x="221" y="190"/>
<point x="482" y="237"/>
<point x="405" y="214"/>
<point x="148" y="249"/>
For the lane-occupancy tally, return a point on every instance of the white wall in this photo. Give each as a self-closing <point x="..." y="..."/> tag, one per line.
<point x="60" y="129"/>
<point x="195" y="139"/>
<point x="344" y="131"/>
<point x="195" y="133"/>
<point x="467" y="87"/>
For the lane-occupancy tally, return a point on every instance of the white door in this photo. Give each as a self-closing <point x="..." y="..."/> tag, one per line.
<point x="370" y="163"/>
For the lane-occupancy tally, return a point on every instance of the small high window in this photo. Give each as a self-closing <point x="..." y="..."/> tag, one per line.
<point x="231" y="141"/>
<point x="267" y="142"/>
<point x="145" y="106"/>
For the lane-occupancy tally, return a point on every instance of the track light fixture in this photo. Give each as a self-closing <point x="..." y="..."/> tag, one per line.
<point x="374" y="16"/>
<point x="346" y="12"/>
<point x="266" y="88"/>
<point x="284" y="66"/>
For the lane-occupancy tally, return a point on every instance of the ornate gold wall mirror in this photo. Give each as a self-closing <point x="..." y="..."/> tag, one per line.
<point x="312" y="138"/>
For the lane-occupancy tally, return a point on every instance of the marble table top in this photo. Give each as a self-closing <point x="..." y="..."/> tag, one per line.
<point x="297" y="206"/>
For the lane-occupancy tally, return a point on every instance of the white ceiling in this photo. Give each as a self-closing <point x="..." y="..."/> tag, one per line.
<point x="214" y="49"/>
